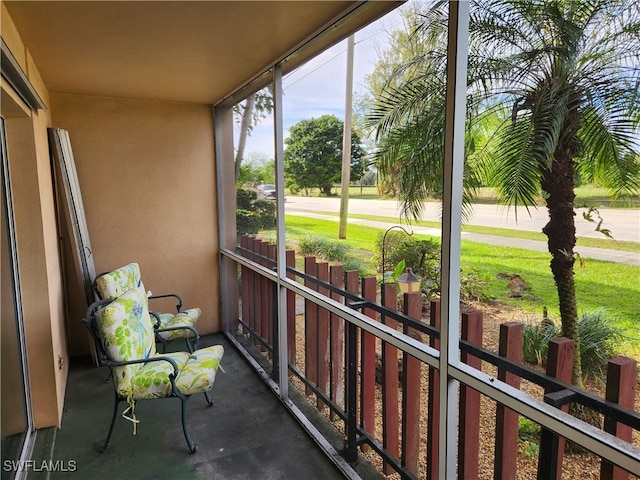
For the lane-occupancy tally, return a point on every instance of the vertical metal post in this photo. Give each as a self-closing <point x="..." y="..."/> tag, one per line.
<point x="457" y="52"/>
<point x="225" y="170"/>
<point x="350" y="449"/>
<point x="281" y="259"/>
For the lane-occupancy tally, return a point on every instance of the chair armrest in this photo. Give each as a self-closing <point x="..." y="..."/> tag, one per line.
<point x="167" y="295"/>
<point x="155" y="319"/>
<point x="176" y="371"/>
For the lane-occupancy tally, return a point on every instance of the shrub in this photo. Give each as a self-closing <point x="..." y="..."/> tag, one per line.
<point x="323" y="247"/>
<point x="247" y="222"/>
<point x="245" y="199"/>
<point x="252" y="214"/>
<point x="266" y="211"/>
<point x="599" y="341"/>
<point x="332" y="251"/>
<point x="422" y="256"/>
<point x="472" y="286"/>
<point x="535" y="341"/>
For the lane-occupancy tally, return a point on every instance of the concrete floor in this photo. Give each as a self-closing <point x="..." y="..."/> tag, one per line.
<point x="247" y="434"/>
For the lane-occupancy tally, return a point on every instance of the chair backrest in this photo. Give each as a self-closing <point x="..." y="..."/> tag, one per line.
<point x="126" y="333"/>
<point x="111" y="285"/>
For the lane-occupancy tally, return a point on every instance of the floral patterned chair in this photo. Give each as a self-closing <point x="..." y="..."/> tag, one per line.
<point x="169" y="326"/>
<point x="124" y="336"/>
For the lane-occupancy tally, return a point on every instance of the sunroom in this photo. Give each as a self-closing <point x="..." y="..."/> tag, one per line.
<point x="147" y="92"/>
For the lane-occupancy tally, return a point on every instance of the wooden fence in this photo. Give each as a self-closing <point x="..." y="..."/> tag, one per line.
<point x="388" y="398"/>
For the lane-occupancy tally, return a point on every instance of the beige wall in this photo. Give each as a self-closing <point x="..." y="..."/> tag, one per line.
<point x="147" y="178"/>
<point x="37" y="240"/>
<point x="147" y="175"/>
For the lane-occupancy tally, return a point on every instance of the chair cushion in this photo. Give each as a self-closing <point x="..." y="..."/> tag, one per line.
<point x="152" y="379"/>
<point x="115" y="283"/>
<point x="197" y="374"/>
<point x="186" y="318"/>
<point x="127" y="334"/>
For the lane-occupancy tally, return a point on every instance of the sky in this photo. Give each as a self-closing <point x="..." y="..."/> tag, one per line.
<point x="318" y="87"/>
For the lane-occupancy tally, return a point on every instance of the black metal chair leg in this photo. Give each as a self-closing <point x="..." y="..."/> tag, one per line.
<point x="193" y="448"/>
<point x="113" y="422"/>
<point x="209" y="401"/>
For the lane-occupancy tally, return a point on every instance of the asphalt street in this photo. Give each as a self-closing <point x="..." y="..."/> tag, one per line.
<point x="623" y="223"/>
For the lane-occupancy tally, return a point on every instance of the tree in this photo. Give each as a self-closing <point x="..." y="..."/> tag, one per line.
<point x="255" y="107"/>
<point x="313" y="154"/>
<point x="563" y="76"/>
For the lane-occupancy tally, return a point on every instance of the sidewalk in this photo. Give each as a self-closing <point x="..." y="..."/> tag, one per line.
<point x="618" y="256"/>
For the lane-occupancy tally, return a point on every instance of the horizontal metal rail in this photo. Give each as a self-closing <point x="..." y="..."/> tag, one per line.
<point x="605" y="445"/>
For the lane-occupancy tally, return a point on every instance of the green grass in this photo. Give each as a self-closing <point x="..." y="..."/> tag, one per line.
<point x="615" y="287"/>
<point x="506" y="232"/>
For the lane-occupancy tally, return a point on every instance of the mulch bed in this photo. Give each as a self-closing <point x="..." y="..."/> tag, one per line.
<point x="584" y="466"/>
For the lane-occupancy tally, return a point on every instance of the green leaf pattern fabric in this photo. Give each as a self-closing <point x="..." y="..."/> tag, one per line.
<point x="127" y="334"/>
<point x="199" y="373"/>
<point x="186" y="318"/>
<point x="114" y="284"/>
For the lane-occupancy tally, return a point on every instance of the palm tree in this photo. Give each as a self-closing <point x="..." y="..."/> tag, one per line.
<point x="561" y="79"/>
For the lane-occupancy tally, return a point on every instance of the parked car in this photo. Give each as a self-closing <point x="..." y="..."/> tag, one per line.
<point x="267" y="191"/>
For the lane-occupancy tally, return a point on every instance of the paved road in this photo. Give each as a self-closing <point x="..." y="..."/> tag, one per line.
<point x="623" y="223"/>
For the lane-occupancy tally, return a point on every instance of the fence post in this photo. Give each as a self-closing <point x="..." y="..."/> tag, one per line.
<point x="559" y="363"/>
<point x="265" y="298"/>
<point x="310" y="328"/>
<point x="469" y="429"/>
<point x="290" y="256"/>
<point x="272" y="254"/>
<point x="256" y="284"/>
<point x="244" y="272"/>
<point x="433" y="406"/>
<point x="390" y="384"/>
<point x="411" y="389"/>
<point x="621" y="384"/>
<point x="336" y="274"/>
<point x="368" y="379"/>
<point x="506" y="443"/>
<point x="324" y="336"/>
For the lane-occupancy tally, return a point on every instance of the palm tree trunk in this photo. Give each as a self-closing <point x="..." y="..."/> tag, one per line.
<point x="558" y="183"/>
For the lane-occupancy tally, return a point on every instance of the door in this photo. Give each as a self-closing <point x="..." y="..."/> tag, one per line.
<point x="17" y="422"/>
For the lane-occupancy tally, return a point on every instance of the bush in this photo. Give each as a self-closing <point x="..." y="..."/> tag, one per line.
<point x="252" y="214"/>
<point x="535" y="341"/>
<point x="323" y="247"/>
<point x="247" y="222"/>
<point x="472" y="286"/>
<point x="266" y="212"/>
<point x="332" y="251"/>
<point x="599" y="341"/>
<point x="245" y="199"/>
<point x="422" y="256"/>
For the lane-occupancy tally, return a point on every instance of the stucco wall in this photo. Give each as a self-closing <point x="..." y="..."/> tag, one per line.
<point x="37" y="239"/>
<point x="147" y="178"/>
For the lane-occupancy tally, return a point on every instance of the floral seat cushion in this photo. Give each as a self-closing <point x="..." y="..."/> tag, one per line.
<point x="113" y="284"/>
<point x="127" y="334"/>
<point x="186" y="318"/>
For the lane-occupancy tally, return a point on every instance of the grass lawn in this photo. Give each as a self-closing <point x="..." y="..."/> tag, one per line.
<point x="507" y="232"/>
<point x="615" y="287"/>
